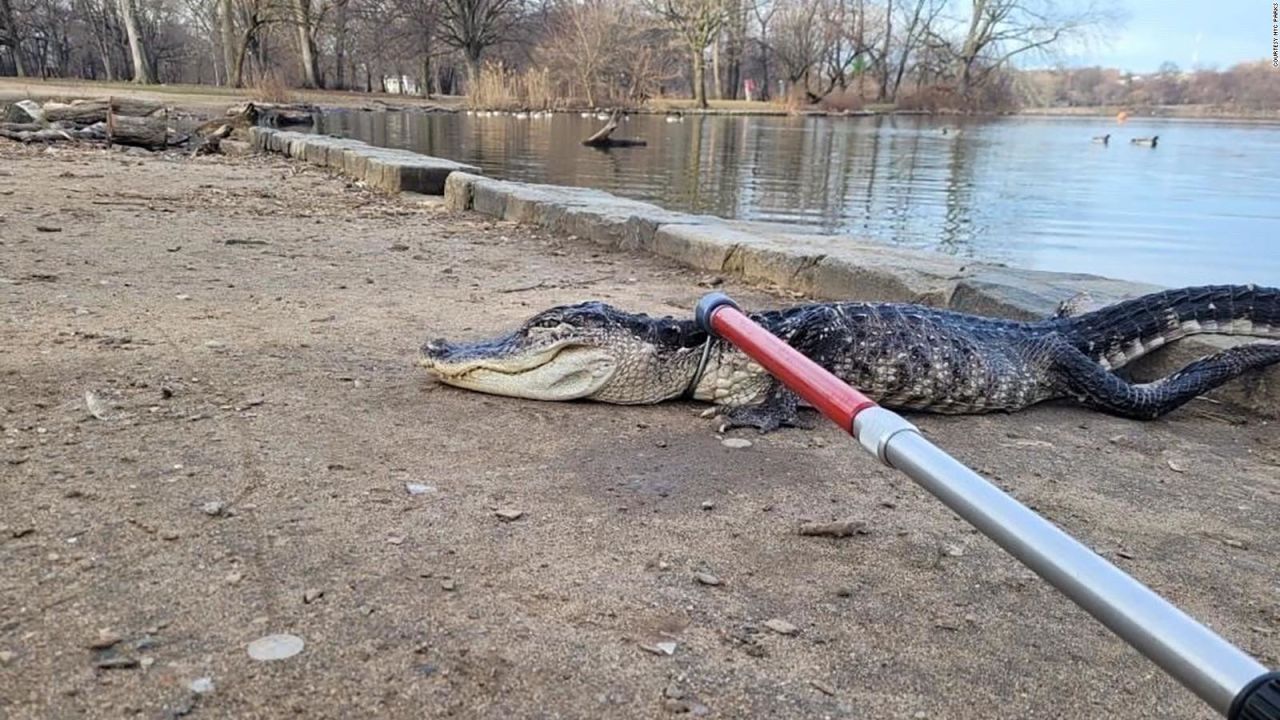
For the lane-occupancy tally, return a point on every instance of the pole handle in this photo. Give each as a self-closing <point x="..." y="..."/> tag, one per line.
<point x="1259" y="700"/>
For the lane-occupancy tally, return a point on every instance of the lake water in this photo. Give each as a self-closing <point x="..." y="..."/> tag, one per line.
<point x="1202" y="207"/>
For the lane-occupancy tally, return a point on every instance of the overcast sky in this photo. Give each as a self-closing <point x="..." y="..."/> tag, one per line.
<point x="1191" y="33"/>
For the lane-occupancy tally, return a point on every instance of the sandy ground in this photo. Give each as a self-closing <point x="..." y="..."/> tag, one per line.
<point x="247" y="329"/>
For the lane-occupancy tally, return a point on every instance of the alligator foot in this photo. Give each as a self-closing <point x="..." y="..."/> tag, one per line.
<point x="779" y="409"/>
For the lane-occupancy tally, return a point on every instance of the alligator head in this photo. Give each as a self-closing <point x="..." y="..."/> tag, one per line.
<point x="590" y="350"/>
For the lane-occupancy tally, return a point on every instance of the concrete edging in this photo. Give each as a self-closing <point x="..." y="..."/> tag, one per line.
<point x="385" y="169"/>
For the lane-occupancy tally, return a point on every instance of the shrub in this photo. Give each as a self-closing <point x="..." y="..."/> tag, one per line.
<point x="271" y="87"/>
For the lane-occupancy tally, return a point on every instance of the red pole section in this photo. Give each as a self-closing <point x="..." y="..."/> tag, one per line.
<point x="832" y="397"/>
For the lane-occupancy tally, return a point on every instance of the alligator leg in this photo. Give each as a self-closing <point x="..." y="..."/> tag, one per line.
<point x="778" y="409"/>
<point x="1077" y="305"/>
<point x="1080" y="377"/>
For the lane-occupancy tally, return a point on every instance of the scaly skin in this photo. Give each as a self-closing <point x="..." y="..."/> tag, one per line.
<point x="903" y="356"/>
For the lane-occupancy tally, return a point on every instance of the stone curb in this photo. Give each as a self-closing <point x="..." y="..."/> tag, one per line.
<point x="849" y="269"/>
<point x="385" y="169"/>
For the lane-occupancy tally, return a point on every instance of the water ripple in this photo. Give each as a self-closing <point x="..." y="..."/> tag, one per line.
<point x="1031" y="192"/>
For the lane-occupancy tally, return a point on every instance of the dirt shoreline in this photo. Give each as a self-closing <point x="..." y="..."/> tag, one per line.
<point x="247" y="329"/>
<point x="211" y="101"/>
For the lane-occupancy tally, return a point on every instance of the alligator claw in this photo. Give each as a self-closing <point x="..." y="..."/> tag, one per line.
<point x="778" y="410"/>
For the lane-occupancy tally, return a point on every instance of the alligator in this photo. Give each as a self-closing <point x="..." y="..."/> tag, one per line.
<point x="904" y="356"/>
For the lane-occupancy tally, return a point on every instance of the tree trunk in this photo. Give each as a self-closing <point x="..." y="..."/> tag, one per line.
<point x="766" y="85"/>
<point x="141" y="70"/>
<point x="88" y="112"/>
<point x="912" y="36"/>
<point x="428" y="86"/>
<point x="242" y="52"/>
<point x="733" y="73"/>
<point x="306" y="48"/>
<point x="10" y="25"/>
<point x="473" y="70"/>
<point x="716" y="77"/>
<point x="227" y="23"/>
<point x="699" y="79"/>
<point x="340" y="46"/>
<point x="973" y="43"/>
<point x="735" y="44"/>
<point x="883" y="91"/>
<point x="104" y="50"/>
<point x="145" y="132"/>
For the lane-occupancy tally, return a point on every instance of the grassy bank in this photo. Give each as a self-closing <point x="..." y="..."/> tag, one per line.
<point x="213" y="99"/>
<point x="1178" y="112"/>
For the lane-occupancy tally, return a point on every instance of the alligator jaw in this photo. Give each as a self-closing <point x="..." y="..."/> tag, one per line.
<point x="561" y="372"/>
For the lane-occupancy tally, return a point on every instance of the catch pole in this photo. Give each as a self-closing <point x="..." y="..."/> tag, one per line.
<point x="1228" y="679"/>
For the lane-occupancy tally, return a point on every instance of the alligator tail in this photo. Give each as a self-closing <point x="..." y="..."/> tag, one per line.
<point x="1121" y="333"/>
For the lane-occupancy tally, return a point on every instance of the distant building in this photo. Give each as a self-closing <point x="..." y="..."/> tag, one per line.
<point x="400" y="84"/>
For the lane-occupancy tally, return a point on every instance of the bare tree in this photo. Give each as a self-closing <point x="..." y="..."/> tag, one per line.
<point x="251" y="21"/>
<point x="340" y="44"/>
<point x="421" y="25"/>
<point x="999" y="30"/>
<point x="9" y="36"/>
<point x="141" y="67"/>
<point x="916" y="27"/>
<point x="735" y="43"/>
<point x="764" y="11"/>
<point x="797" y="40"/>
<point x="1166" y="86"/>
<point x="609" y="51"/>
<point x="102" y="22"/>
<point x="647" y="64"/>
<point x="227" y="27"/>
<point x="696" y="23"/>
<point x="201" y="17"/>
<point x="583" y="46"/>
<point x="840" y="23"/>
<point x="882" y="57"/>
<point x="473" y="26"/>
<point x="306" y="43"/>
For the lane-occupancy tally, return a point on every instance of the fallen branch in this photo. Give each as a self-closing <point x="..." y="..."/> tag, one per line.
<point x="23" y="132"/>
<point x="149" y="133"/>
<point x="602" y="139"/>
<point x="836" y="529"/>
<point x="275" y="115"/>
<point x="212" y="142"/>
<point x="143" y="132"/>
<point x="83" y="113"/>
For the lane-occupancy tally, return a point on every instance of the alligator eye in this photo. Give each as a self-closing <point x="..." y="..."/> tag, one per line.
<point x="546" y="323"/>
<point x="669" y="335"/>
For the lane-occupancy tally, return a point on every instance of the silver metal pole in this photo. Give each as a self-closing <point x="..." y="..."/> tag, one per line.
<point x="1209" y="666"/>
<point x="1223" y="676"/>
